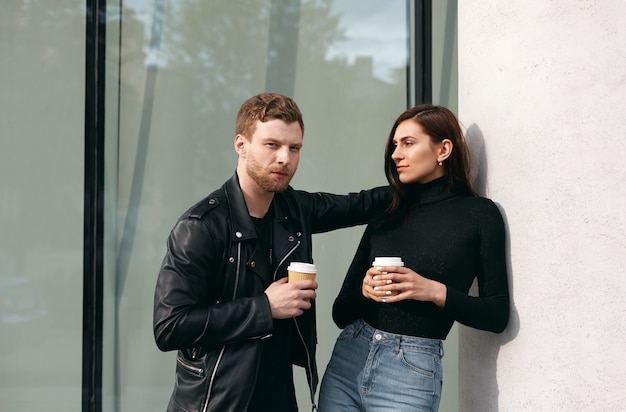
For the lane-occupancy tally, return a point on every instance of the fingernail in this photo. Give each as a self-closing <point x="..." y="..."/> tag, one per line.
<point x="389" y="281"/>
<point x="375" y="287"/>
<point x="388" y="292"/>
<point x="375" y="278"/>
<point x="379" y="267"/>
<point x="384" y="300"/>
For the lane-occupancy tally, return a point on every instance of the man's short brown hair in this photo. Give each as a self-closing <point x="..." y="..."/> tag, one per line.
<point x="265" y="107"/>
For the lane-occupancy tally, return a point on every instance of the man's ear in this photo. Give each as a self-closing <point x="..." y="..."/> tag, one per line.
<point x="445" y="149"/>
<point x="241" y="145"/>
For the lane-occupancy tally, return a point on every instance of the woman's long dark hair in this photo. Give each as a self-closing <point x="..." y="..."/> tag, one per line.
<point x="438" y="123"/>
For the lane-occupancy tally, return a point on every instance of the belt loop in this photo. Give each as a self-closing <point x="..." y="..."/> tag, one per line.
<point x="360" y="328"/>
<point x="398" y="343"/>
<point x="441" y="353"/>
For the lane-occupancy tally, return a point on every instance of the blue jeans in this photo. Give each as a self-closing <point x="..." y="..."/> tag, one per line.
<point x="371" y="370"/>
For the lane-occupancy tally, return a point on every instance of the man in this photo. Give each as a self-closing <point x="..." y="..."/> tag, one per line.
<point x="222" y="298"/>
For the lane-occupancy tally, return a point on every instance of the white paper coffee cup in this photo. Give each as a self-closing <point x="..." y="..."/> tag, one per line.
<point x="388" y="261"/>
<point x="301" y="271"/>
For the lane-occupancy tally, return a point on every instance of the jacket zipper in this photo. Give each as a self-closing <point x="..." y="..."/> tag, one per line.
<point x="197" y="371"/>
<point x="219" y="358"/>
<point x="308" y="364"/>
<point x="306" y="349"/>
<point x="285" y="258"/>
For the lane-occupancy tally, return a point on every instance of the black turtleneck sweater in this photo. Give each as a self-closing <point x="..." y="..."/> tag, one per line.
<point x="450" y="238"/>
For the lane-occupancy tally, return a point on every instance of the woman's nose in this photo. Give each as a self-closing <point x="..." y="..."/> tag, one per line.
<point x="396" y="154"/>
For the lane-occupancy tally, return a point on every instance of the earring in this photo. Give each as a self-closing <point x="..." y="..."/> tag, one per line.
<point x="440" y="163"/>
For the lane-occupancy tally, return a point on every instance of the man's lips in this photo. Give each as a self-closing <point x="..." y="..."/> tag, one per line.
<point x="280" y="174"/>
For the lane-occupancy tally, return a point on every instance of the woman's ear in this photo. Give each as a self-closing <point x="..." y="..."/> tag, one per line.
<point x="445" y="150"/>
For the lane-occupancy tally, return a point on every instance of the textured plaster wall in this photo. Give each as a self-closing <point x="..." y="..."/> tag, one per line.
<point x="542" y="91"/>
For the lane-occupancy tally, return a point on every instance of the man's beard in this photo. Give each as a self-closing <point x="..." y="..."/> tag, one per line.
<point x="265" y="181"/>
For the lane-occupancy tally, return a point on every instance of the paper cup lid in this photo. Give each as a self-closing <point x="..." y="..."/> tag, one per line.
<point x="388" y="261"/>
<point x="302" y="267"/>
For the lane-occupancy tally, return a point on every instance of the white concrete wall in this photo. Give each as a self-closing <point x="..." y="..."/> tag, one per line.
<point x="542" y="90"/>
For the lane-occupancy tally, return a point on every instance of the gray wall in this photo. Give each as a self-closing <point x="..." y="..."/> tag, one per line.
<point x="542" y="91"/>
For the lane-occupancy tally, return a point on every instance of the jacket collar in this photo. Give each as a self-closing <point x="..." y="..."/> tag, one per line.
<point x="242" y="226"/>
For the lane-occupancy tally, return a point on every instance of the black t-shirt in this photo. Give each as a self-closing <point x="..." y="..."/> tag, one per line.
<point x="274" y="389"/>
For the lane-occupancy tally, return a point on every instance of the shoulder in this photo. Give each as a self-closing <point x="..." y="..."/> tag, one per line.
<point x="484" y="210"/>
<point x="475" y="202"/>
<point x="199" y="223"/>
<point x="202" y="208"/>
<point x="294" y="197"/>
<point x="480" y="207"/>
<point x="291" y="202"/>
<point x="205" y="207"/>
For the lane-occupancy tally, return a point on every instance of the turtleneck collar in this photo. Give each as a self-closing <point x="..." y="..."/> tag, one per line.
<point x="430" y="192"/>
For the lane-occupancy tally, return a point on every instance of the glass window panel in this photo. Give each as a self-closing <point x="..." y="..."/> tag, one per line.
<point x="177" y="74"/>
<point x="42" y="67"/>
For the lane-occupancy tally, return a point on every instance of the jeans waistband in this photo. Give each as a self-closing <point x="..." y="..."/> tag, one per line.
<point x="381" y="337"/>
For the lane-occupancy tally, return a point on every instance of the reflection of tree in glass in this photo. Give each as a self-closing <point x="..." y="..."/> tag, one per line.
<point x="228" y="43"/>
<point x="349" y="110"/>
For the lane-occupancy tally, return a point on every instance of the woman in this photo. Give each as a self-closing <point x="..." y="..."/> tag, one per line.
<point x="388" y="356"/>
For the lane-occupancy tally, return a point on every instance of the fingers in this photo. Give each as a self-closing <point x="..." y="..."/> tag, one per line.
<point x="386" y="290"/>
<point x="381" y="283"/>
<point x="305" y="289"/>
<point x="376" y="288"/>
<point x="387" y="283"/>
<point x="289" y="299"/>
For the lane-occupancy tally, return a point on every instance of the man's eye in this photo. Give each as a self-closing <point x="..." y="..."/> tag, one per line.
<point x="294" y="148"/>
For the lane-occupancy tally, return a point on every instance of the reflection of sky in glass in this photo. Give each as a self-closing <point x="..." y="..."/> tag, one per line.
<point x="375" y="29"/>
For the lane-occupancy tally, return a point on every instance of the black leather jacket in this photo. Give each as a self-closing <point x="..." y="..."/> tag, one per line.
<point x="209" y="302"/>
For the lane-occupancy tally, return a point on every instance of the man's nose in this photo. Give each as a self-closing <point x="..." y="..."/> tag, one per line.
<point x="283" y="155"/>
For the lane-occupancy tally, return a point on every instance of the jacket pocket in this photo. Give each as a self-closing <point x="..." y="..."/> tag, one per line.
<point x="194" y="367"/>
<point x="191" y="385"/>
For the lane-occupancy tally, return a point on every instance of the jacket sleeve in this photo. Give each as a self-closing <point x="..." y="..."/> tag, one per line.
<point x="350" y="304"/>
<point x="329" y="211"/>
<point x="490" y="309"/>
<point x="189" y="309"/>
